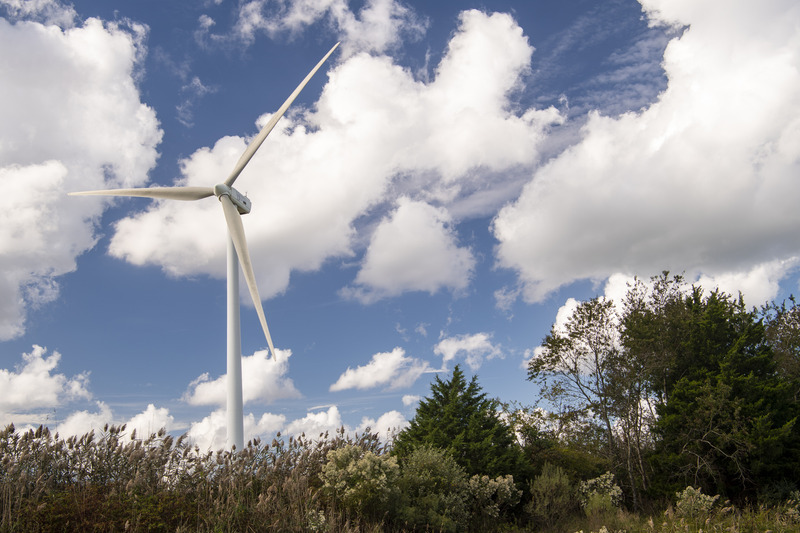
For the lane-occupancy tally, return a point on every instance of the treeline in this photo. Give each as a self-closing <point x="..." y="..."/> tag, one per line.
<point x="673" y="410"/>
<point x="674" y="387"/>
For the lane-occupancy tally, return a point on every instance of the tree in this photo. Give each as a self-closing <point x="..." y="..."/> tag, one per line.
<point x="575" y="364"/>
<point x="782" y="324"/>
<point x="586" y="375"/>
<point x="726" y="419"/>
<point x="458" y="419"/>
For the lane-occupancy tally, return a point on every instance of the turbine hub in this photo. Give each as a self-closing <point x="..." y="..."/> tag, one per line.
<point x="241" y="201"/>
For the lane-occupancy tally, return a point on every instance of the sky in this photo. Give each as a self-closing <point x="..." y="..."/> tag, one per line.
<point x="449" y="184"/>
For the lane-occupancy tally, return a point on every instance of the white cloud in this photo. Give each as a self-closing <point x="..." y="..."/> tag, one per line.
<point x="80" y="423"/>
<point x="702" y="181"/>
<point x="44" y="11"/>
<point x="758" y="285"/>
<point x="103" y="136"/>
<point x="475" y="348"/>
<point x="410" y="399"/>
<point x="378" y="26"/>
<point x="210" y="433"/>
<point x="317" y="188"/>
<point x="414" y="249"/>
<point x="34" y="387"/>
<point x="263" y="380"/>
<point x="150" y="421"/>
<point x="387" y="426"/>
<point x="392" y="369"/>
<point x="315" y="424"/>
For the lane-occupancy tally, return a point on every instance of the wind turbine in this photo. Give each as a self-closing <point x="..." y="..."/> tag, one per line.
<point x="234" y="204"/>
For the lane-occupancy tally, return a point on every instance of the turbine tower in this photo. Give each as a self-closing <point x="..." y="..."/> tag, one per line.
<point x="234" y="205"/>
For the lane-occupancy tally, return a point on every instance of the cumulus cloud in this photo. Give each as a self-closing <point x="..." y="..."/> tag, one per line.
<point x="702" y="181"/>
<point x="387" y="426"/>
<point x="474" y="348"/>
<point x="410" y="399"/>
<point x="414" y="249"/>
<point x="34" y="387"/>
<point x="264" y="379"/>
<point x="391" y="369"/>
<point x="149" y="421"/>
<point x="44" y="11"/>
<point x="378" y="26"/>
<point x="103" y="137"/>
<point x="210" y="433"/>
<point x="315" y="424"/>
<point x="323" y="172"/>
<point x="79" y="423"/>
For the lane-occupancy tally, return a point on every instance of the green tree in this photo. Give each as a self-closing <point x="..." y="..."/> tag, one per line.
<point x="594" y="389"/>
<point x="575" y="367"/>
<point x="782" y="324"/>
<point x="459" y="419"/>
<point x="726" y="418"/>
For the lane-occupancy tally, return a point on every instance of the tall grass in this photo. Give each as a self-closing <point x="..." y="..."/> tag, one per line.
<point x="110" y="482"/>
<point x="117" y="482"/>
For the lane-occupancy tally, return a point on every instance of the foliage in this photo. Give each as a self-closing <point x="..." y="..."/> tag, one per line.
<point x="459" y="419"/>
<point x="726" y="418"/>
<point x="573" y="368"/>
<point x="676" y="386"/>
<point x="434" y="491"/>
<point x="115" y="483"/>
<point x="361" y="481"/>
<point x="692" y="503"/>
<point x="552" y="496"/>
<point x="490" y="500"/>
<point x="584" y="372"/>
<point x="599" y="495"/>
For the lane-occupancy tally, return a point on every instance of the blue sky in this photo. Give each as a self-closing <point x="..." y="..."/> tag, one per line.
<point x="444" y="189"/>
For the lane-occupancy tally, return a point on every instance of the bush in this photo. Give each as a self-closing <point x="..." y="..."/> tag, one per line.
<point x="490" y="499"/>
<point x="552" y="496"/>
<point x="791" y="509"/>
<point x="434" y="491"/>
<point x="364" y="483"/>
<point x="599" y="495"/>
<point x="692" y="503"/>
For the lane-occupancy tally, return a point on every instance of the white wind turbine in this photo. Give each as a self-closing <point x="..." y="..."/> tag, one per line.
<point x="234" y="204"/>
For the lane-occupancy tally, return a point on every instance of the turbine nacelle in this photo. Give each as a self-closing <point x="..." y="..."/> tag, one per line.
<point x="242" y="202"/>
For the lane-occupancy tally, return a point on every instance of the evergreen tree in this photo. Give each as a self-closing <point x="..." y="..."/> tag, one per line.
<point x="726" y="416"/>
<point x="459" y="419"/>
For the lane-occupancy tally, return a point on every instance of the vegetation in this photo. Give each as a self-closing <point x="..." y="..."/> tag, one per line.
<point x="675" y="411"/>
<point x="459" y="419"/>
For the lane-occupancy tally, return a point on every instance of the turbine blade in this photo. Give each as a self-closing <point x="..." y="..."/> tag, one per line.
<point x="256" y="143"/>
<point x="168" y="193"/>
<point x="236" y="231"/>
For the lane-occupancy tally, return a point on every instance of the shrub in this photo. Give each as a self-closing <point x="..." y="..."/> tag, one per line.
<point x="361" y="481"/>
<point x="599" y="495"/>
<point x="552" y="496"/>
<point x="434" y="491"/>
<point x="692" y="503"/>
<point x="490" y="499"/>
<point x="791" y="509"/>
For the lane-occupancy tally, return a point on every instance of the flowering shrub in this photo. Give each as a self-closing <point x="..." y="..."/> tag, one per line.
<point x="492" y="497"/>
<point x="692" y="503"/>
<point x="599" y="494"/>
<point x="362" y="481"/>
